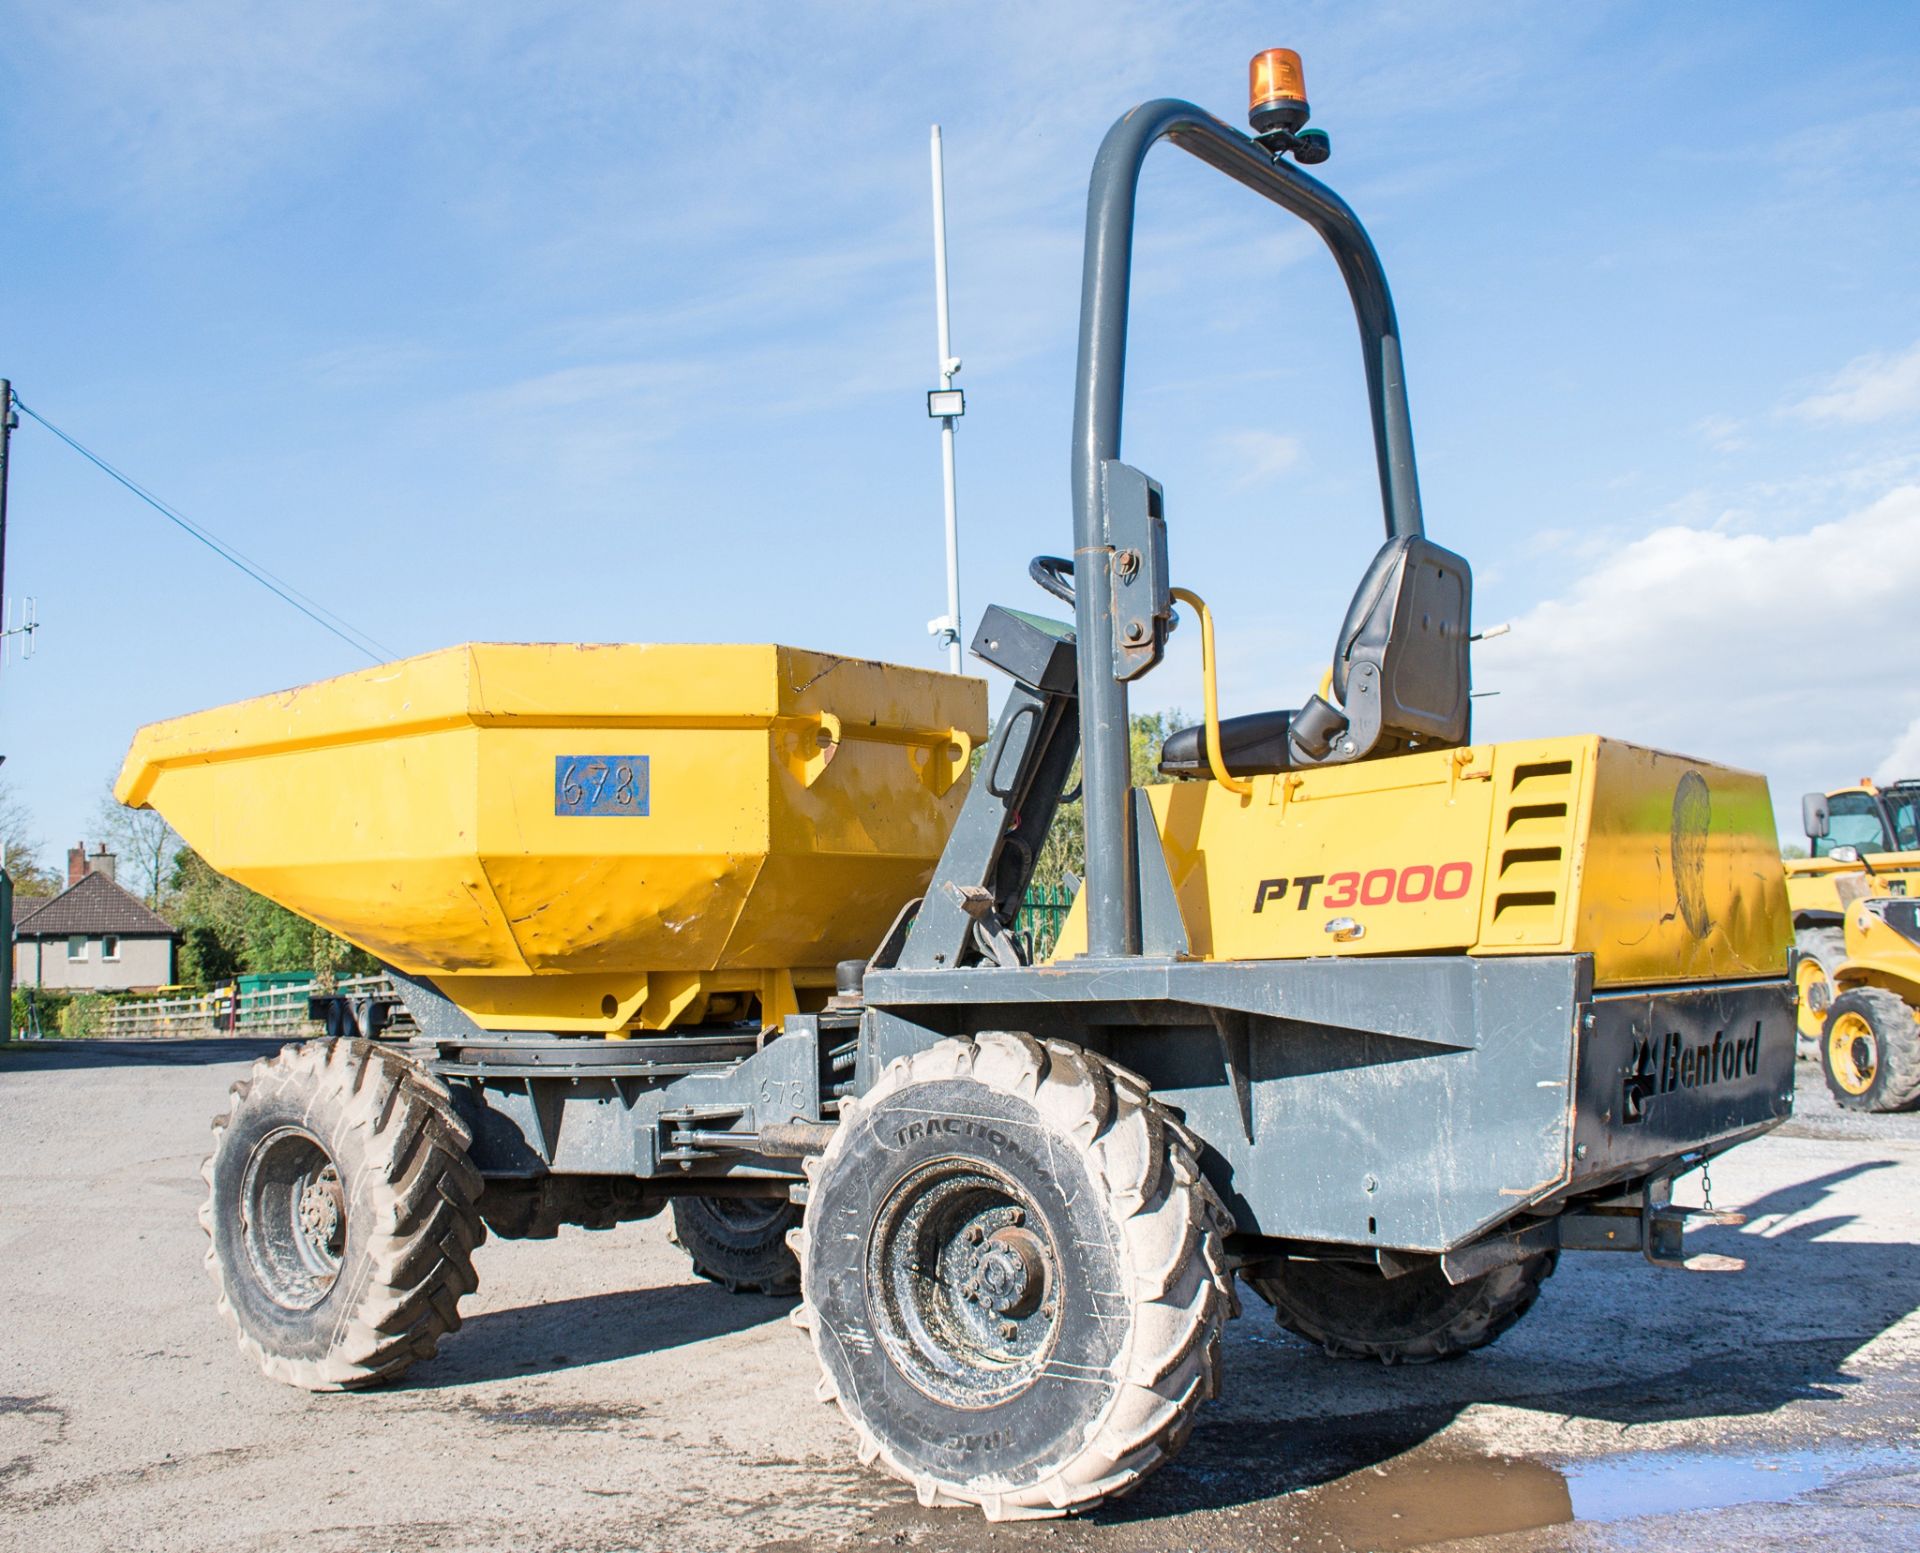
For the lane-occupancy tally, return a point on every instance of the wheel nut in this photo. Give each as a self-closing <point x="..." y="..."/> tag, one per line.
<point x="1016" y="1216"/>
<point x="1009" y="1331"/>
<point x="975" y="1234"/>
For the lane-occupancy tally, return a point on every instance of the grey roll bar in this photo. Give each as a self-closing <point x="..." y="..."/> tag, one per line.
<point x="1112" y="892"/>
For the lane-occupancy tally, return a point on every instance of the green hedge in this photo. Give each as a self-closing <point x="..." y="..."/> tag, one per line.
<point x="63" y="1015"/>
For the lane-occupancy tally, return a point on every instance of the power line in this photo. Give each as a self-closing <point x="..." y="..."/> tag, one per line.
<point x="315" y="611"/>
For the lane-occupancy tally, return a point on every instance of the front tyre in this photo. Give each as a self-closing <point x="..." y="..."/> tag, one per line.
<point x="1870" y="1051"/>
<point x="341" y="1212"/>
<point x="1013" y="1275"/>
<point x="1353" y="1312"/>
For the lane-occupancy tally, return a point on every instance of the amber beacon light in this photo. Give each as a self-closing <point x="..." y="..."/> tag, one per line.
<point x="1276" y="91"/>
<point x="1277" y="109"/>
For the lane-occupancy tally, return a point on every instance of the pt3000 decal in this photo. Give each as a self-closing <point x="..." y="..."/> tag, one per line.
<point x="1407" y="886"/>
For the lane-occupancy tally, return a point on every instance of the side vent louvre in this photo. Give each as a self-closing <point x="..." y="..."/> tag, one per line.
<point x="1541" y="771"/>
<point x="1536" y="832"/>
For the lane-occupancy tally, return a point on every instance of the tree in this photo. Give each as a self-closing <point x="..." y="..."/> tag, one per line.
<point x="145" y="844"/>
<point x="20" y="849"/>
<point x="1063" y="860"/>
<point x="228" y="930"/>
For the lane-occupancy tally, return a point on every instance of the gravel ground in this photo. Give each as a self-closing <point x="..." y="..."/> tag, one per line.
<point x="599" y="1397"/>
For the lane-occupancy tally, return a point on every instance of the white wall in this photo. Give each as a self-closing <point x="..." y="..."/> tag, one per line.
<point x="143" y="962"/>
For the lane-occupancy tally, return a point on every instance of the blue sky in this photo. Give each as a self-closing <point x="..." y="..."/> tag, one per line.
<point x="612" y="322"/>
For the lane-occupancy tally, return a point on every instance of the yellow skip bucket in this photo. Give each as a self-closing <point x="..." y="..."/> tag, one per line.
<point x="590" y="838"/>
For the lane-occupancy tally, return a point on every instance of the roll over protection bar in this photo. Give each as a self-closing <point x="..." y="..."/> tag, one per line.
<point x="1112" y="892"/>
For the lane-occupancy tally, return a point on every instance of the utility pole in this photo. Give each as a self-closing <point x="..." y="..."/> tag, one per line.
<point x="8" y="420"/>
<point x="946" y="404"/>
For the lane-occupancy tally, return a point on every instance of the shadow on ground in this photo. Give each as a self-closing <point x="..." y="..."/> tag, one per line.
<point x="49" y="1056"/>
<point x="1756" y="1364"/>
<point x="595" y="1328"/>
<point x="1383" y="1478"/>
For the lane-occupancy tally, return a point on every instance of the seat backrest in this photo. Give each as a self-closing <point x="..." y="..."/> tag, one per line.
<point x="1406" y="633"/>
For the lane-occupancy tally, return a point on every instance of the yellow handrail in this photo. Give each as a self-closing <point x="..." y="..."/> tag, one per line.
<point x="1211" y="689"/>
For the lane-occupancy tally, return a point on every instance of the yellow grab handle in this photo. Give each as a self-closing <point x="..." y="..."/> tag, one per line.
<point x="1211" y="690"/>
<point x="948" y="750"/>
<point x="809" y="741"/>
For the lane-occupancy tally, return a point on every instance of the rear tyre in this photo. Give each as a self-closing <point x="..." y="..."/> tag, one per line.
<point x="1870" y="1051"/>
<point x="739" y="1242"/>
<point x="1013" y="1276"/>
<point x="1821" y="951"/>
<point x="340" y="1208"/>
<point x="1353" y="1312"/>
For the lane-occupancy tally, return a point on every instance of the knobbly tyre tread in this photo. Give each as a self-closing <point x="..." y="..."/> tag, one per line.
<point x="765" y="1268"/>
<point x="1487" y="1307"/>
<point x="1897" y="1033"/>
<point x="413" y="1185"/>
<point x="1828" y="945"/>
<point x="1173" y="1227"/>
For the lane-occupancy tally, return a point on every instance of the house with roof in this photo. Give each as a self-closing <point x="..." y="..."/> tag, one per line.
<point x="94" y="936"/>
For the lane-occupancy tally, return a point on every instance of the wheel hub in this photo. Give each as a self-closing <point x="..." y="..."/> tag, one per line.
<point x="1853" y="1054"/>
<point x="965" y="1274"/>
<point x="1816" y="993"/>
<point x="1010" y="1275"/>
<point x="293" y="1217"/>
<point x="323" y="1211"/>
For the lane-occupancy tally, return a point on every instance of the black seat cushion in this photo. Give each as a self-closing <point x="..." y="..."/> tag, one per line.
<point x="1400" y="674"/>
<point x="1255" y="745"/>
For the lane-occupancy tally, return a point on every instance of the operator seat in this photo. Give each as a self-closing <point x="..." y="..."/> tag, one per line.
<point x="1400" y="677"/>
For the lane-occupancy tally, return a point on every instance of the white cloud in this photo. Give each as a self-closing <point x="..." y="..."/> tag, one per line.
<point x="1903" y="760"/>
<point x="1260" y="455"/>
<point x="1779" y="652"/>
<point x="1722" y="433"/>
<point x="1869" y="388"/>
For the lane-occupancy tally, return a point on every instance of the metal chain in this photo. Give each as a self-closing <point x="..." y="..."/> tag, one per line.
<point x="1706" y="1184"/>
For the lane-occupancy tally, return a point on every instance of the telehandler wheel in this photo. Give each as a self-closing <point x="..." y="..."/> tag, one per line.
<point x="341" y="1211"/>
<point x="1870" y="1051"/>
<point x="1353" y="1312"/>
<point x="1013" y="1275"/>
<point x="740" y="1242"/>
<point x="1821" y="951"/>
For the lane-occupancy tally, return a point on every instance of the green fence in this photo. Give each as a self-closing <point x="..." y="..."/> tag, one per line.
<point x="265" y="1004"/>
<point x="1043" y="915"/>
<point x="276" y="1004"/>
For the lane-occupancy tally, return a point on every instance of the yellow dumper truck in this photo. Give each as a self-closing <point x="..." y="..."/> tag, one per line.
<point x="1371" y="1016"/>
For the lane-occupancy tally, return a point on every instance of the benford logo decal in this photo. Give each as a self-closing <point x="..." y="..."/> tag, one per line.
<point x="1407" y="886"/>
<point x="1664" y="1063"/>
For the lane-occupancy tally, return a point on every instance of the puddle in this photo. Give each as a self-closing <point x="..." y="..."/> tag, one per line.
<point x="1617" y="1488"/>
<point x="1427" y="1497"/>
<point x="1431" y="1496"/>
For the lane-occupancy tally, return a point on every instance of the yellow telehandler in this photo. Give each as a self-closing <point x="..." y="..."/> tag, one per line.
<point x="1869" y="1039"/>
<point x="1877" y="823"/>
